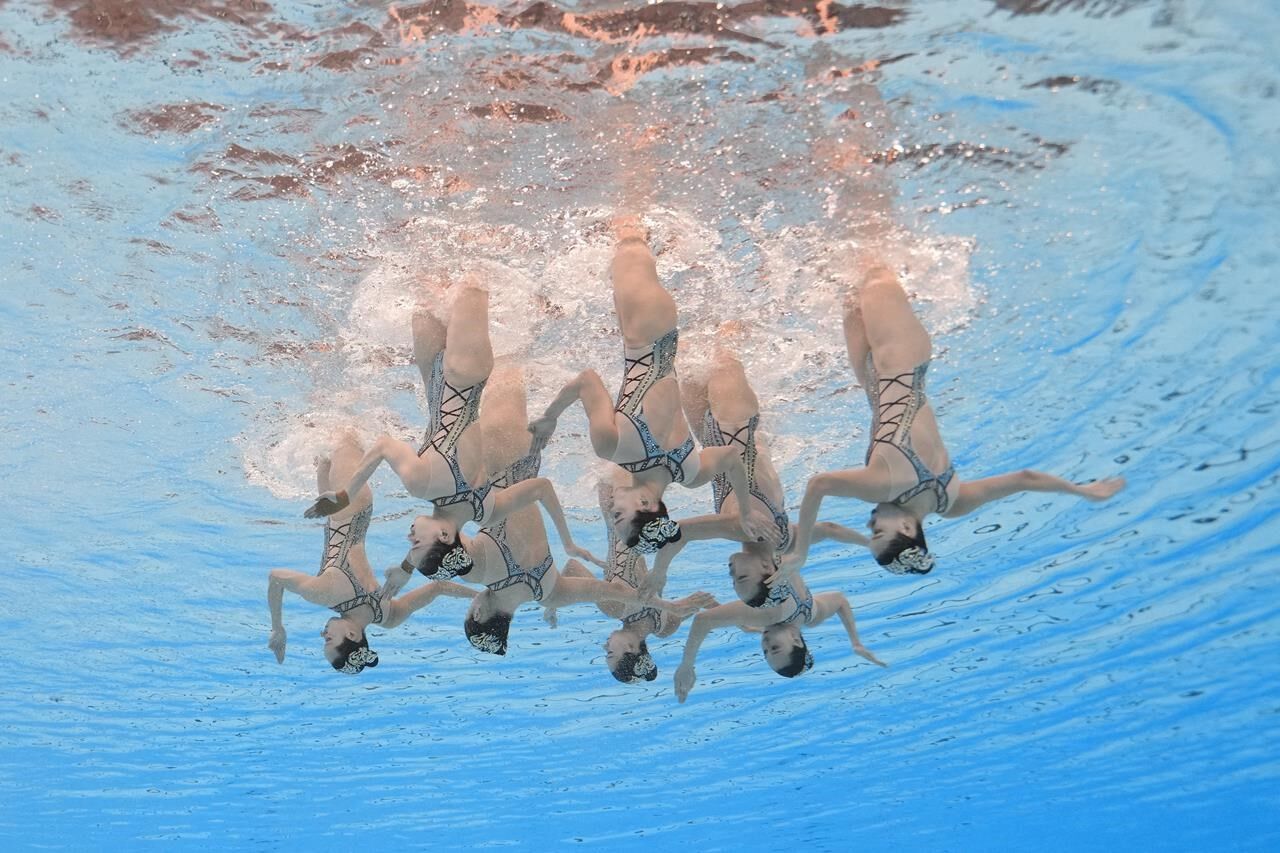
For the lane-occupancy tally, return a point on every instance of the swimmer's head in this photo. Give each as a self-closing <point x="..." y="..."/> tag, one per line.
<point x="346" y="647"/>
<point x="641" y="522"/>
<point x="627" y="656"/>
<point x="748" y="570"/>
<point x="436" y="548"/>
<point x="487" y="625"/>
<point x="785" y="650"/>
<point x="897" y="541"/>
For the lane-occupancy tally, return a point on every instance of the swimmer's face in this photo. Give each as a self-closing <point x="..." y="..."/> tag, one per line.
<point x="334" y="632"/>
<point x="886" y="522"/>
<point x="620" y="643"/>
<point x="779" y="642"/>
<point x="627" y="501"/>
<point x="425" y="532"/>
<point x="748" y="571"/>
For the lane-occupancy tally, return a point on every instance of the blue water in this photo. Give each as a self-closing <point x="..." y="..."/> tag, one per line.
<point x="208" y="226"/>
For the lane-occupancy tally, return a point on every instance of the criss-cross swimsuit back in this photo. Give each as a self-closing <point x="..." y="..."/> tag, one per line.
<point x="453" y="410"/>
<point x="524" y="468"/>
<point x="802" y="611"/>
<point x="744" y="437"/>
<point x="895" y="400"/>
<point x="338" y="540"/>
<point x="642" y="370"/>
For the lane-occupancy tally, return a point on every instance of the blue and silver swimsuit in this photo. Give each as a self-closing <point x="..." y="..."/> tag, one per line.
<point x="803" y="611"/>
<point x="624" y="565"/>
<point x="642" y="370"/>
<point x="516" y="573"/>
<point x="337" y="551"/>
<point x="524" y="468"/>
<point x="450" y="417"/>
<point x="894" y="429"/>
<point x="721" y="488"/>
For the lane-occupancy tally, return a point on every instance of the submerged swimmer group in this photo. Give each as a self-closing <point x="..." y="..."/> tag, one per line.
<point x="480" y="459"/>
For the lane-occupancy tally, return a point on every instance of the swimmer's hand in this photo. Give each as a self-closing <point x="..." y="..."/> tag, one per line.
<point x="788" y="567"/>
<point x="1103" y="489"/>
<point x="583" y="554"/>
<point x="691" y="604"/>
<point x="394" y="579"/>
<point x="863" y="652"/>
<point x="759" y="527"/>
<point x="549" y="616"/>
<point x="277" y="643"/>
<point x="327" y="504"/>
<point x="543" y="428"/>
<point x="686" y="676"/>
<point x="652" y="585"/>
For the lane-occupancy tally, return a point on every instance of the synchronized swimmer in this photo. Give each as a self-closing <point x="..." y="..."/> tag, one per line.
<point x="479" y="464"/>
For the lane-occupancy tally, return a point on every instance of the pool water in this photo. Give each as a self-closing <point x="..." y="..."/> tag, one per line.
<point x="213" y="215"/>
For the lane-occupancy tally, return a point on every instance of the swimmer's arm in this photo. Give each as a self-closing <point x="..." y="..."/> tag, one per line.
<point x="399" y="609"/>
<point x="596" y="402"/>
<point x="725" y="460"/>
<point x="401" y="456"/>
<point x="825" y="530"/>
<point x="691" y="529"/>
<point x="576" y="590"/>
<point x="733" y="613"/>
<point x="863" y="483"/>
<point x="540" y="490"/>
<point x="278" y="581"/>
<point x="828" y="604"/>
<point x="395" y="578"/>
<point x="976" y="493"/>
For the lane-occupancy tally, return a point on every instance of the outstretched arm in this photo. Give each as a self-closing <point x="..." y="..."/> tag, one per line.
<point x="399" y="609"/>
<point x="825" y="530"/>
<point x="540" y="490"/>
<point x="401" y="456"/>
<point x="694" y="529"/>
<point x="755" y="524"/>
<point x="975" y="493"/>
<point x="596" y="402"/>
<point x="574" y="589"/>
<point x="863" y="483"/>
<point x="278" y="581"/>
<point x="827" y="604"/>
<point x="733" y="613"/>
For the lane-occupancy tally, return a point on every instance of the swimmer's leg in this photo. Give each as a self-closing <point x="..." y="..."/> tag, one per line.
<point x="729" y="394"/>
<point x="504" y="418"/>
<point x="429" y="332"/>
<point x="855" y="337"/>
<point x="646" y="311"/>
<point x="469" y="358"/>
<point x="897" y="339"/>
<point x="693" y="399"/>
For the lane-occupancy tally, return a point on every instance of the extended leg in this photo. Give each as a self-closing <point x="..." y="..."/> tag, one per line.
<point x="504" y="417"/>
<point x="646" y="311"/>
<point x="895" y="335"/>
<point x="469" y="358"/>
<point x="729" y="393"/>
<point x="429" y="333"/>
